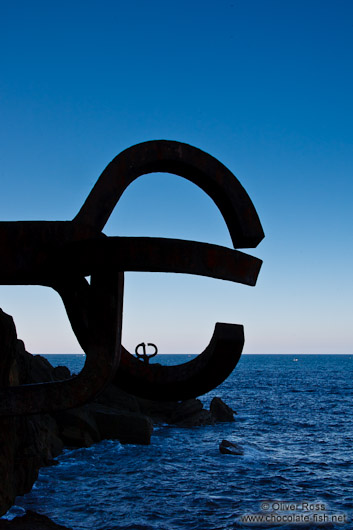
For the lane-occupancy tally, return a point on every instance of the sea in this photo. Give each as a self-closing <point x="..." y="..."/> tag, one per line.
<point x="294" y="422"/>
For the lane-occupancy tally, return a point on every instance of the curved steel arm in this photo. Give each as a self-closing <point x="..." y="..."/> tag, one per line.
<point x="187" y="380"/>
<point x="95" y="313"/>
<point x="155" y="254"/>
<point x="180" y="159"/>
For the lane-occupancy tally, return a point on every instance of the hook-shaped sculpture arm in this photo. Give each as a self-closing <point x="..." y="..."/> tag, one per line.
<point x="95" y="313"/>
<point x="187" y="380"/>
<point x="188" y="162"/>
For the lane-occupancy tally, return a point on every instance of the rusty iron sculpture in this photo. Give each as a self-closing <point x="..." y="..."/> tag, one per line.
<point x="145" y="356"/>
<point x="61" y="254"/>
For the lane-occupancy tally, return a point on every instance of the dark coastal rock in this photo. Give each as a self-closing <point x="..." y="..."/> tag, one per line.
<point x="188" y="413"/>
<point x="78" y="427"/>
<point x="230" y="448"/>
<point x="159" y="411"/>
<point x="220" y="411"/>
<point x="26" y="442"/>
<point x="30" y="442"/>
<point x="40" y="369"/>
<point x="59" y="373"/>
<point x="31" y="521"/>
<point x="184" y="410"/>
<point x="116" y="398"/>
<point x="49" y="443"/>
<point x="199" y="419"/>
<point x="8" y="346"/>
<point x="7" y="425"/>
<point x="127" y="427"/>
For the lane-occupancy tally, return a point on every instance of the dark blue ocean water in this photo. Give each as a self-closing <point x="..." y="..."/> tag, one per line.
<point x="295" y="423"/>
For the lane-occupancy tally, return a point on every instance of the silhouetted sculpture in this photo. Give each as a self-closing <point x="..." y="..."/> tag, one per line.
<point x="145" y="356"/>
<point x="61" y="254"/>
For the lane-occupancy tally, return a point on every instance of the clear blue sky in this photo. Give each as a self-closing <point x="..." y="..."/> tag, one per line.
<point x="264" y="86"/>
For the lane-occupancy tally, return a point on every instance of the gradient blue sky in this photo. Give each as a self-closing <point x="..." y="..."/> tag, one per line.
<point x="264" y="86"/>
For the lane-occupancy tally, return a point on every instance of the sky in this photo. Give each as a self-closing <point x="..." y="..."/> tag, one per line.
<point x="266" y="87"/>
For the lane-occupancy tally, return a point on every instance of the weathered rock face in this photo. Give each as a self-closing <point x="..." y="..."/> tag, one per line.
<point x="127" y="427"/>
<point x="30" y="442"/>
<point x="26" y="443"/>
<point x="189" y="413"/>
<point x="31" y="521"/>
<point x="77" y="427"/>
<point x="220" y="411"/>
<point x="230" y="448"/>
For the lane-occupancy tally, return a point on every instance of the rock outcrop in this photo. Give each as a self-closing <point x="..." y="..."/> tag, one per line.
<point x="26" y="443"/>
<point x="189" y="413"/>
<point x="78" y="427"/>
<point x="230" y="448"/>
<point x="30" y="442"/>
<point x="31" y="521"/>
<point x="125" y="426"/>
<point x="220" y="411"/>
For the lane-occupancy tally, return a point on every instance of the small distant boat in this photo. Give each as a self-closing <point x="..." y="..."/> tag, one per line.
<point x="295" y="360"/>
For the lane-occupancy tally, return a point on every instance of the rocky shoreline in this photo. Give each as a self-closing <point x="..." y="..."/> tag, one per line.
<point x="29" y="442"/>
